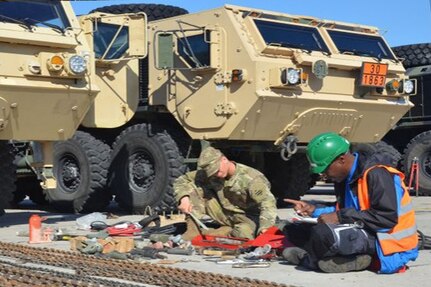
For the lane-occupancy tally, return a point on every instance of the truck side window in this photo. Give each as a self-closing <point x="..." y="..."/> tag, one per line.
<point x="291" y="36"/>
<point x="32" y="13"/>
<point x="197" y="52"/>
<point x="103" y="36"/>
<point x="361" y="45"/>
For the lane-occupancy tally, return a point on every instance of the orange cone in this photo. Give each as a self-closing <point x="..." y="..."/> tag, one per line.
<point x="35" y="229"/>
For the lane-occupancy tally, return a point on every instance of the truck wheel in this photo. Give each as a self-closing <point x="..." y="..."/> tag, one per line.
<point x="18" y="195"/>
<point x="289" y="179"/>
<point x="81" y="168"/>
<point x="393" y="155"/>
<point x="420" y="147"/>
<point x="414" y="55"/>
<point x="7" y="176"/>
<point x="31" y="186"/>
<point x="153" y="11"/>
<point x="144" y="165"/>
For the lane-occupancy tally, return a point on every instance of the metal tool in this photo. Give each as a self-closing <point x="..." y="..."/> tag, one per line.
<point x="198" y="222"/>
<point x="251" y="265"/>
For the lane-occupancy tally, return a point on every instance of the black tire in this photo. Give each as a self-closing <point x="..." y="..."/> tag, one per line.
<point x="255" y="160"/>
<point x="414" y="55"/>
<point x="420" y="147"/>
<point x="289" y="179"/>
<point x="383" y="148"/>
<point x="30" y="186"/>
<point x="7" y="176"/>
<point x="145" y="163"/>
<point x="19" y="194"/>
<point x="153" y="11"/>
<point x="81" y="168"/>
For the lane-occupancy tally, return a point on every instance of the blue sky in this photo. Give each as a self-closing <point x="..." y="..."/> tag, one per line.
<point x="402" y="22"/>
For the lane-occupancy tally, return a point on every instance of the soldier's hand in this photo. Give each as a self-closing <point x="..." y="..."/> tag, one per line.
<point x="185" y="205"/>
<point x="301" y="207"/>
<point x="328" y="218"/>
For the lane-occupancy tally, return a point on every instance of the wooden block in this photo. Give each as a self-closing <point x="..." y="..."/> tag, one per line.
<point x="123" y="244"/>
<point x="210" y="252"/>
<point x="108" y="245"/>
<point x="77" y="243"/>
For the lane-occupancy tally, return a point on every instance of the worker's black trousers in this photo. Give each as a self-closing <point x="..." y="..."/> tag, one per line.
<point x="328" y="240"/>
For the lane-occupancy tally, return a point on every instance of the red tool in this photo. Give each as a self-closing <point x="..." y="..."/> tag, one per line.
<point x="273" y="236"/>
<point x="128" y="230"/>
<point x="224" y="242"/>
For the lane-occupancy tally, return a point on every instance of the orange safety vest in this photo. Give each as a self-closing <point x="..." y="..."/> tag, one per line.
<point x="403" y="236"/>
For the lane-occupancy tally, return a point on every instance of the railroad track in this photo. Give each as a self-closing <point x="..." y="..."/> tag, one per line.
<point x="22" y="265"/>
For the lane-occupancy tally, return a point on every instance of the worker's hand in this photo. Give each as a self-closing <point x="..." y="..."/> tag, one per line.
<point x="185" y="205"/>
<point x="301" y="207"/>
<point x="328" y="218"/>
<point x="263" y="231"/>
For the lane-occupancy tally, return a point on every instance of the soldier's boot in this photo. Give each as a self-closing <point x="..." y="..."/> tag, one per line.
<point x="244" y="230"/>
<point x="221" y="231"/>
<point x="192" y="229"/>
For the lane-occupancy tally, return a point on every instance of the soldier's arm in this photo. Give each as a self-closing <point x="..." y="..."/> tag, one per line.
<point x="260" y="192"/>
<point x="184" y="185"/>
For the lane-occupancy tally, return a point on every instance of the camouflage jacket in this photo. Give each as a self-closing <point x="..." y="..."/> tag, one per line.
<point x="247" y="191"/>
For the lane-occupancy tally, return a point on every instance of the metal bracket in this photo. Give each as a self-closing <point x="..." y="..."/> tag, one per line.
<point x="289" y="147"/>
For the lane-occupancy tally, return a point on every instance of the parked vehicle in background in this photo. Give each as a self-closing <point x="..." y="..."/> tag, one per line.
<point x="412" y="134"/>
<point x="118" y="101"/>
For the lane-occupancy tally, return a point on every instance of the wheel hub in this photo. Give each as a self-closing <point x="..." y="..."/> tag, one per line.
<point x="142" y="171"/>
<point x="70" y="175"/>
<point x="426" y="164"/>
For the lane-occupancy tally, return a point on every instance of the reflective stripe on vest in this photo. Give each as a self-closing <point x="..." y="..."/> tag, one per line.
<point x="403" y="236"/>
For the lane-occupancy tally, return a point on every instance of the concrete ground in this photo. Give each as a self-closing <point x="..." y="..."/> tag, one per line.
<point x="16" y="221"/>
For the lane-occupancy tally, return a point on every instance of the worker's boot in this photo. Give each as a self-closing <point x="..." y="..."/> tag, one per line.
<point x="298" y="256"/>
<point x="342" y="264"/>
<point x="294" y="255"/>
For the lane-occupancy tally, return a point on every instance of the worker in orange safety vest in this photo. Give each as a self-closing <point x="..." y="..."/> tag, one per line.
<point x="373" y="220"/>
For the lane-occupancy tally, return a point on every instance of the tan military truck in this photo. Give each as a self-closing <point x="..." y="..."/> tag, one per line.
<point x="115" y="106"/>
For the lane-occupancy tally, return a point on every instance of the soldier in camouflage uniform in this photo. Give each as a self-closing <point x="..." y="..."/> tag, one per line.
<point x="234" y="195"/>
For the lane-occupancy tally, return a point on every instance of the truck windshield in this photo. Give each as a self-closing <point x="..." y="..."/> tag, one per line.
<point x="291" y="36"/>
<point x="34" y="13"/>
<point x="361" y="45"/>
<point x="103" y="36"/>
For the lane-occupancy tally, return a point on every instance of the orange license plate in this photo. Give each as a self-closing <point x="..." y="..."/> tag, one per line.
<point x="373" y="74"/>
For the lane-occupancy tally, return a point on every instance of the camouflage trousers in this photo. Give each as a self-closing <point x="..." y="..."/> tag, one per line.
<point x="232" y="223"/>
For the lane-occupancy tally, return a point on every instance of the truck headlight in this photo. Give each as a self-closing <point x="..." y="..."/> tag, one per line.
<point x="77" y="64"/>
<point x="291" y="76"/>
<point x="408" y="86"/>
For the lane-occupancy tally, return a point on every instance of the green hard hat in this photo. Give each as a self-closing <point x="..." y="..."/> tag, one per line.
<point x="323" y="149"/>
